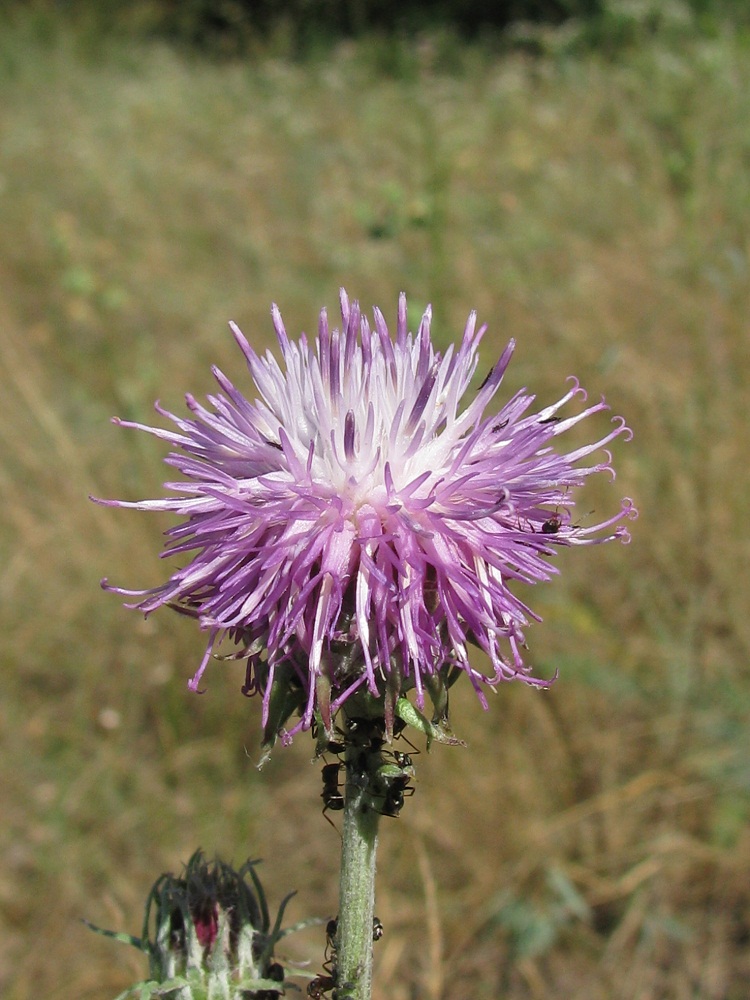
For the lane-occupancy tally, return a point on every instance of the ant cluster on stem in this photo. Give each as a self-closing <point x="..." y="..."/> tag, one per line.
<point x="382" y="776"/>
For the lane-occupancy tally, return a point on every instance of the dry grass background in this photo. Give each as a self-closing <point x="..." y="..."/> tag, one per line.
<point x="592" y="841"/>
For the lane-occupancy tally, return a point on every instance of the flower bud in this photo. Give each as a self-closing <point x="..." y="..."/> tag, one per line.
<point x="207" y="933"/>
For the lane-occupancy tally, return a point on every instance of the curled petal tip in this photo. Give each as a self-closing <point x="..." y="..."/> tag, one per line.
<point x="624" y="429"/>
<point x="541" y="683"/>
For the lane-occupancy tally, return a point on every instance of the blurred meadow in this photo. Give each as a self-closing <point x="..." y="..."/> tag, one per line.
<point x="592" y="842"/>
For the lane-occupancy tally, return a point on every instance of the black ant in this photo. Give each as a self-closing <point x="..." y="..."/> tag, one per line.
<point x="332" y="927"/>
<point x="321" y="985"/>
<point x="318" y="987"/>
<point x="399" y="788"/>
<point x="403" y="760"/>
<point x="336" y="745"/>
<point x="331" y="794"/>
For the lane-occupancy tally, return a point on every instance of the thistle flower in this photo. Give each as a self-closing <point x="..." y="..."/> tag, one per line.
<point x="208" y="933"/>
<point x="353" y="531"/>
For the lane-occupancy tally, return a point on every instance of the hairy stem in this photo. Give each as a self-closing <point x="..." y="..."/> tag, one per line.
<point x="357" y="888"/>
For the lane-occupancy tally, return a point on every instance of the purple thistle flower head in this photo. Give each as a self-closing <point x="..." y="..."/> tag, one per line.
<point x="353" y="530"/>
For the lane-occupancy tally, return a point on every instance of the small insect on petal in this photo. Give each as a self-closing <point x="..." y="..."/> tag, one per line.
<point x="552" y="525"/>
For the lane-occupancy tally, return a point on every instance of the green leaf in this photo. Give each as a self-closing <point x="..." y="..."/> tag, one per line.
<point x="115" y="935"/>
<point x="440" y="732"/>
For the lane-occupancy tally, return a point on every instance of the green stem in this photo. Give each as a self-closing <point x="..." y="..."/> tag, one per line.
<point x="357" y="888"/>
